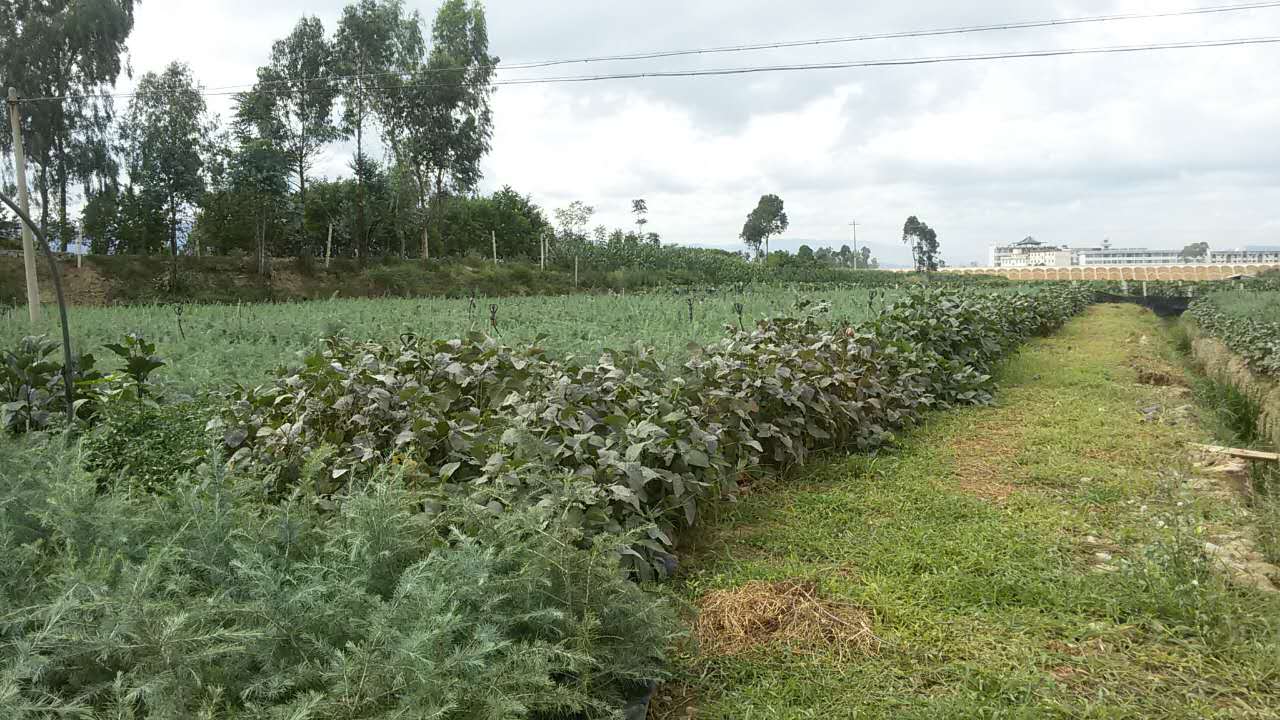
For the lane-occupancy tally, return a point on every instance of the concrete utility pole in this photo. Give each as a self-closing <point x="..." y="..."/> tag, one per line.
<point x="854" y="225"/>
<point x="28" y="244"/>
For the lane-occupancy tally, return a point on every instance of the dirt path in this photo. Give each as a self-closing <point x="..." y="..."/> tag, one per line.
<point x="1044" y="557"/>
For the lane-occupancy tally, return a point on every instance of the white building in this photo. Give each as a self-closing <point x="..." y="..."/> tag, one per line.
<point x="1033" y="253"/>
<point x="1029" y="252"/>
<point x="1240" y="257"/>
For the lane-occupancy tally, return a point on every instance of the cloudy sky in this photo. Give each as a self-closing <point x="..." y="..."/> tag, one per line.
<point x="1157" y="149"/>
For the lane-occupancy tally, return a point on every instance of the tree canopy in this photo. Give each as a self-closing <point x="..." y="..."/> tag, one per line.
<point x="923" y="241"/>
<point x="765" y="221"/>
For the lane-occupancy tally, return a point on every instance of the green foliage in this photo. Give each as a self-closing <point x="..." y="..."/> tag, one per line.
<point x="923" y="241"/>
<point x="31" y="382"/>
<point x="201" y="602"/>
<point x="1246" y="323"/>
<point x="165" y="135"/>
<point x="146" y="446"/>
<point x="766" y="220"/>
<point x="139" y="358"/>
<point x="1195" y="251"/>
<point x="71" y="52"/>
<point x="30" y="385"/>
<point x="654" y="440"/>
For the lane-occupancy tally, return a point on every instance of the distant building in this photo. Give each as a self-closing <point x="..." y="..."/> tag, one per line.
<point x="1030" y="252"/>
<point x="1240" y="257"/>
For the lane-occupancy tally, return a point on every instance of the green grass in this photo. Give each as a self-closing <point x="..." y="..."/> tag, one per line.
<point x="219" y="344"/>
<point x="974" y="548"/>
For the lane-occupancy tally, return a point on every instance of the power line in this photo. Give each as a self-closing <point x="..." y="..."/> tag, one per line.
<point x="902" y="34"/>
<point x="891" y="62"/>
<point x="964" y="29"/>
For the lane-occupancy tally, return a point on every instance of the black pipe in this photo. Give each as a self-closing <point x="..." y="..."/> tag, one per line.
<point x="68" y="372"/>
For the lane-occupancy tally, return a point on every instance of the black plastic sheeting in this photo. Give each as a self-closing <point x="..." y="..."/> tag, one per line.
<point x="1162" y="306"/>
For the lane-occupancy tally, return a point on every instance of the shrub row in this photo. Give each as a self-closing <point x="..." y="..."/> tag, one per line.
<point x="202" y="602"/>
<point x="625" y="444"/>
<point x="1255" y="339"/>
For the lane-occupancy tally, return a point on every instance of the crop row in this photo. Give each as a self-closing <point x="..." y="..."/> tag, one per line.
<point x="1253" y="335"/>
<point x="626" y="444"/>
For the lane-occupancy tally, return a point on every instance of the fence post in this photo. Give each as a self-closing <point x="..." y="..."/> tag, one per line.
<point x="20" y="176"/>
<point x="328" y="246"/>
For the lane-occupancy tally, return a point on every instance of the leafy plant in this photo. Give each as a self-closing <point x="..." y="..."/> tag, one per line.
<point x="1256" y="338"/>
<point x="139" y="359"/>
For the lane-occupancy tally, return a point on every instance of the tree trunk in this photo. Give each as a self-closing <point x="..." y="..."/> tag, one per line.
<point x="302" y="202"/>
<point x="360" y="230"/>
<point x="173" y="243"/>
<point x="426" y="249"/>
<point x="62" y="205"/>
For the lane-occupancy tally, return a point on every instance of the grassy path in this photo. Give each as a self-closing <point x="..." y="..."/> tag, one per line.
<point x="1038" y="558"/>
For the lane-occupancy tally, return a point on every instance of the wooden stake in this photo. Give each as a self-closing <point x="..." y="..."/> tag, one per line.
<point x="1237" y="452"/>
<point x="24" y="202"/>
<point x="328" y="246"/>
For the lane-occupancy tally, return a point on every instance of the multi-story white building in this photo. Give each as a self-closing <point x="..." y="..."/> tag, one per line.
<point x="1033" y="253"/>
<point x="1107" y="255"/>
<point x="1029" y="252"/>
<point x="1239" y="257"/>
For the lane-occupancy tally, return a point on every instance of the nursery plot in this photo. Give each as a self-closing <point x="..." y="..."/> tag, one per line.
<point x="215" y="345"/>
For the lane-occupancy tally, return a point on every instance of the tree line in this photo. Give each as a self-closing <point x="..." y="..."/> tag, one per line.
<point x="162" y="175"/>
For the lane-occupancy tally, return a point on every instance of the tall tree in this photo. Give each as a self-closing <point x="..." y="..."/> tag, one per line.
<point x="923" y="241"/>
<point x="258" y="177"/>
<point x="63" y="54"/>
<point x="164" y="135"/>
<point x="374" y="38"/>
<point x="1195" y="251"/>
<point x="292" y="103"/>
<point x="767" y="220"/>
<point x="640" y="209"/>
<point x="439" y="118"/>
<point x="865" y="253"/>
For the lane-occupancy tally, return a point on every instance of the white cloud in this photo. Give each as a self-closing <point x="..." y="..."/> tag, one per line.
<point x="1157" y="149"/>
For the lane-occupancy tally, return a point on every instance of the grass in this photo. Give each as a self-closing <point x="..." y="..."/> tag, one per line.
<point x="1040" y="558"/>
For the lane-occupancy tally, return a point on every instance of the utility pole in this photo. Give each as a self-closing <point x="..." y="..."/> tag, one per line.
<point x="28" y="244"/>
<point x="854" y="225"/>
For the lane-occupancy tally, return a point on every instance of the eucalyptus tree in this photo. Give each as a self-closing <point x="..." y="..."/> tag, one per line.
<point x="766" y="220"/>
<point x="62" y="55"/>
<point x="164" y="136"/>
<point x="258" y="180"/>
<point x="923" y="241"/>
<point x="640" y="209"/>
<point x="291" y="105"/>
<point x="439" y="113"/>
<point x="373" y="39"/>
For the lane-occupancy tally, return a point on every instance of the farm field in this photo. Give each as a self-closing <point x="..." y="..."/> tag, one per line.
<point x="1264" y="306"/>
<point x="218" y="345"/>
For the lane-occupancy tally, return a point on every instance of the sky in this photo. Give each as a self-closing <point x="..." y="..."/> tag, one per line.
<point x="1156" y="149"/>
